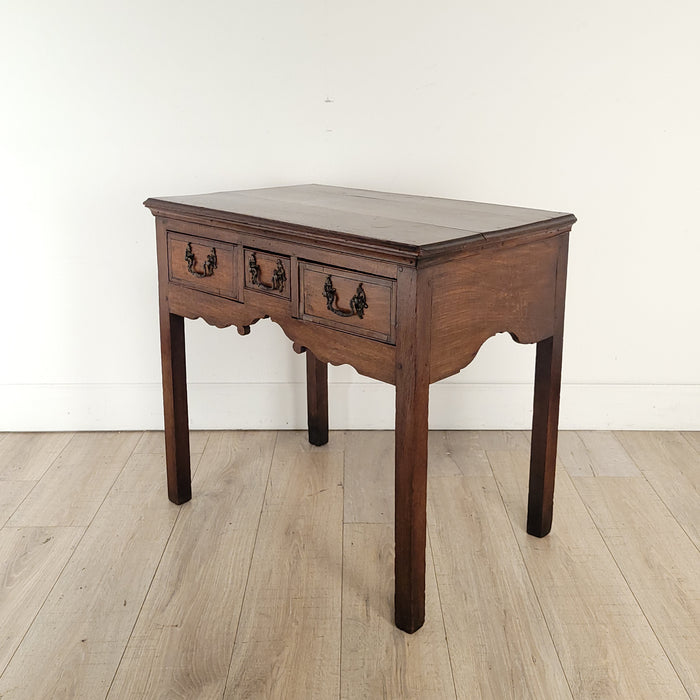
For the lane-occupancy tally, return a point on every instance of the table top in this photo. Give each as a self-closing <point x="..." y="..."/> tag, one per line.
<point x="407" y="223"/>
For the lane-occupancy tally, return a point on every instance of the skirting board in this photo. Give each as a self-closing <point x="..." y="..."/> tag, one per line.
<point x="353" y="406"/>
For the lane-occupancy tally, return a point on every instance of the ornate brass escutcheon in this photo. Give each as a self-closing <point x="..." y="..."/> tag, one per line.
<point x="358" y="303"/>
<point x="279" y="276"/>
<point x="209" y="263"/>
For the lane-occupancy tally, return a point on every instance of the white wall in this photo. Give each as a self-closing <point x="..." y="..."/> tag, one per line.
<point x="585" y="107"/>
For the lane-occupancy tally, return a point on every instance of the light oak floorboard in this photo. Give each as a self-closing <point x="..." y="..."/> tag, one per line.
<point x="379" y="660"/>
<point x="604" y="641"/>
<point x="26" y="456"/>
<point x="659" y="562"/>
<point x="73" y="488"/>
<point x="31" y="559"/>
<point x="504" y="439"/>
<point x="288" y="640"/>
<point x="12" y="493"/>
<point x="369" y="484"/>
<point x="456" y="453"/>
<point x="672" y="467"/>
<point x="693" y="438"/>
<point x="497" y="636"/>
<point x="75" y="644"/>
<point x="608" y="456"/>
<point x="148" y="602"/>
<point x="181" y="644"/>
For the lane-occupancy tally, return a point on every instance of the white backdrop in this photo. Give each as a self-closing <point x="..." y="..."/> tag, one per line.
<point x="592" y="108"/>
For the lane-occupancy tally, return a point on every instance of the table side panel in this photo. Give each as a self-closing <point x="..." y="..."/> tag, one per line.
<point x="508" y="289"/>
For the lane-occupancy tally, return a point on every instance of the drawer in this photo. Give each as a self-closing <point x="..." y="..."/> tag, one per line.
<point x="267" y="272"/>
<point x="350" y="301"/>
<point x="202" y="263"/>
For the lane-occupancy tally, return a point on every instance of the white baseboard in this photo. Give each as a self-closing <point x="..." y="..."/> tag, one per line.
<point x="353" y="406"/>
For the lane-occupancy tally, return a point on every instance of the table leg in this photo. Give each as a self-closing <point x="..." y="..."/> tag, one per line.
<point x="545" y="418"/>
<point x="411" y="449"/>
<point x="411" y="456"/>
<point x="543" y="454"/>
<point x="177" y="438"/>
<point x="317" y="399"/>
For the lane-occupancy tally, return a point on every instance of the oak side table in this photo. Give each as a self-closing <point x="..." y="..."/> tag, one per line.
<point x="403" y="288"/>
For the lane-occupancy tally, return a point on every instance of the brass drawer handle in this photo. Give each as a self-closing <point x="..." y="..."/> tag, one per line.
<point x="358" y="303"/>
<point x="209" y="263"/>
<point x="279" y="276"/>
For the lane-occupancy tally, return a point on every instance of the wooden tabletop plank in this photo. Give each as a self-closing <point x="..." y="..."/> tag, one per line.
<point x="405" y="222"/>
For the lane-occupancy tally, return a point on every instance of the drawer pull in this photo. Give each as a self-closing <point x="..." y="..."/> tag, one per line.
<point x="279" y="276"/>
<point x="209" y="263"/>
<point x="358" y="303"/>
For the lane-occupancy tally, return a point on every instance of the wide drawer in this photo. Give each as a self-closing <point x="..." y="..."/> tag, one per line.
<point x="267" y="272"/>
<point x="202" y="263"/>
<point x="348" y="300"/>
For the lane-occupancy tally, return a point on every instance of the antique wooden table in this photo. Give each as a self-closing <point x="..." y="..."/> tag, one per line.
<point x="403" y="288"/>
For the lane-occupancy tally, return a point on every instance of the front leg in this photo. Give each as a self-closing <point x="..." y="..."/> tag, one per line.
<point x="317" y="399"/>
<point x="545" y="418"/>
<point x="177" y="438"/>
<point x="411" y="449"/>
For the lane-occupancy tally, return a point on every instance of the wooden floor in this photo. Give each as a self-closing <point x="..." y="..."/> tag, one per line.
<point x="276" y="580"/>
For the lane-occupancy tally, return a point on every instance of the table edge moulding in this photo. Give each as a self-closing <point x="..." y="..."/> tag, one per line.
<point x="403" y="288"/>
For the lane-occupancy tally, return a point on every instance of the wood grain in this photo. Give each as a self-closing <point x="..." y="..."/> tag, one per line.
<point x="498" y="290"/>
<point x="73" y="488"/>
<point x="369" y="477"/>
<point x="456" y="453"/>
<point x="616" y="582"/>
<point x="670" y="465"/>
<point x="222" y="280"/>
<point x="413" y="353"/>
<point x="181" y="644"/>
<point x="377" y="320"/>
<point x="598" y="628"/>
<point x="31" y="559"/>
<point x="378" y="660"/>
<point x="496" y="633"/>
<point x="659" y="562"/>
<point x="12" y="493"/>
<point x="153" y="442"/>
<point x="595" y="453"/>
<point x="693" y="438"/>
<point x="400" y="222"/>
<point x="288" y="640"/>
<point x="79" y="635"/>
<point x="27" y="456"/>
<point x="545" y="406"/>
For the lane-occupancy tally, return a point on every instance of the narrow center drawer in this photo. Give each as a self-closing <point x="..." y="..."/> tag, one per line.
<point x="267" y="272"/>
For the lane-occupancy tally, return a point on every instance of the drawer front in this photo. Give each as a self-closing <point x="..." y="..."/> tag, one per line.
<point x="268" y="273"/>
<point x="202" y="263"/>
<point x="348" y="300"/>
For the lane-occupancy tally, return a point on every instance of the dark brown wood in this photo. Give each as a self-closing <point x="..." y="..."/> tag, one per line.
<point x="411" y="448"/>
<point x="378" y="318"/>
<point x="511" y="289"/>
<point x="405" y="289"/>
<point x="268" y="273"/>
<point x="220" y="280"/>
<point x="545" y="418"/>
<point x="372" y="223"/>
<point x="317" y="399"/>
<point x="172" y="347"/>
